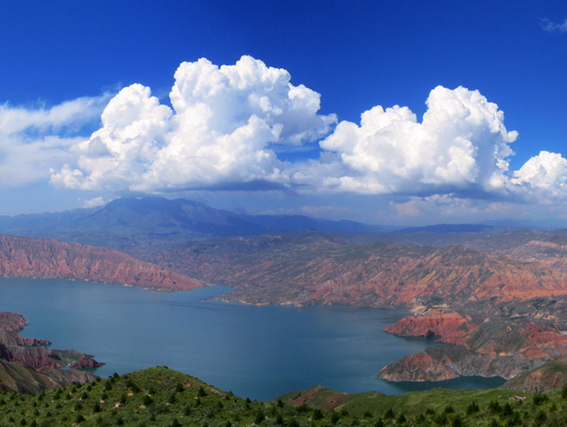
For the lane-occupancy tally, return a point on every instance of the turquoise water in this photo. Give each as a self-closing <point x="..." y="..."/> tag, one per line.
<point x="259" y="352"/>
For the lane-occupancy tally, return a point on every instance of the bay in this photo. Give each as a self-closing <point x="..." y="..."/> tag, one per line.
<point x="259" y="352"/>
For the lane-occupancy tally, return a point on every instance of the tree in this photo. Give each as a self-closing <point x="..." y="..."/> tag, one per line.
<point x="472" y="408"/>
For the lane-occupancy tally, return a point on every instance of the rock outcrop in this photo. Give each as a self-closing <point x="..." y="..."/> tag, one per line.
<point x="449" y="326"/>
<point x="27" y="365"/>
<point x="497" y="347"/>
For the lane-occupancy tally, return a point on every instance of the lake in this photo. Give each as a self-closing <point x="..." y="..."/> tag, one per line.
<point x="259" y="352"/>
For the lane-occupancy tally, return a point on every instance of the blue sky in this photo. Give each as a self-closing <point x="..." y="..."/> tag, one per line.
<point x="88" y="111"/>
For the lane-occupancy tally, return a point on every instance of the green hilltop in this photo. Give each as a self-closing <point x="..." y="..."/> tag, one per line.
<point x="163" y="397"/>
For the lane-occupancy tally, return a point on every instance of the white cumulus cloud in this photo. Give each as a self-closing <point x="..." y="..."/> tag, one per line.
<point x="226" y="125"/>
<point x="546" y="171"/>
<point x="223" y="122"/>
<point x="461" y="141"/>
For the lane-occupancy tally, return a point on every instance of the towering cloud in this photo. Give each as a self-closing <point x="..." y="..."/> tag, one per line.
<point x="220" y="131"/>
<point x="225" y="123"/>
<point x="461" y="142"/>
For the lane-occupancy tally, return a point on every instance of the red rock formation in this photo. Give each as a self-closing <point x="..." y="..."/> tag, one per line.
<point x="27" y="365"/>
<point x="449" y="325"/>
<point x="37" y="258"/>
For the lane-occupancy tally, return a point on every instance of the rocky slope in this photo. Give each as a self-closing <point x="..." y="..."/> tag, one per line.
<point x="40" y="258"/>
<point x="551" y="375"/>
<point x="27" y="365"/>
<point x="320" y="269"/>
<point x="501" y="316"/>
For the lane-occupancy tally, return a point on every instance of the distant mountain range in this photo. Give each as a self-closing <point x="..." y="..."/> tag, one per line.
<point x="150" y="221"/>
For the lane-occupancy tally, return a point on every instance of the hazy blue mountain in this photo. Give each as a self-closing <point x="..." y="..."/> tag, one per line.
<point x="155" y="221"/>
<point x="448" y="228"/>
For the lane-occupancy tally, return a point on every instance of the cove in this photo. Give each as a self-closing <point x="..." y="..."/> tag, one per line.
<point x="259" y="352"/>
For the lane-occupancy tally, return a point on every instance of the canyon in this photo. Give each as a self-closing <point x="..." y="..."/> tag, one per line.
<point x="494" y="298"/>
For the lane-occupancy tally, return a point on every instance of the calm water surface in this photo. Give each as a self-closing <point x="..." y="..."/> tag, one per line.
<point x="256" y="351"/>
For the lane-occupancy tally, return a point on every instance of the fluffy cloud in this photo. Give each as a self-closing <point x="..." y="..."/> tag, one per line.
<point x="546" y="171"/>
<point x="223" y="123"/>
<point x="226" y="125"/>
<point x="31" y="140"/>
<point x="461" y="142"/>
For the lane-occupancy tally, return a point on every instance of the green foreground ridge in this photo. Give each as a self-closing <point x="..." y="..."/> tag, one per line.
<point x="163" y="397"/>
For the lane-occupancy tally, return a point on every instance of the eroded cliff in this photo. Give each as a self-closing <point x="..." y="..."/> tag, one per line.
<point x="27" y="365"/>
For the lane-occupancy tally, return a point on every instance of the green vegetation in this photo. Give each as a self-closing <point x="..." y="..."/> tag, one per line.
<point x="162" y="397"/>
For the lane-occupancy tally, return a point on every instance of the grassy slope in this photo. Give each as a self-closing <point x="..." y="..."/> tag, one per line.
<point x="162" y="397"/>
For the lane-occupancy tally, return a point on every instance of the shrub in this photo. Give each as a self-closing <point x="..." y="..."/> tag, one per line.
<point x="440" y="419"/>
<point x="292" y="422"/>
<point x="539" y="398"/>
<point x="457" y="421"/>
<point x="540" y="417"/>
<point x="389" y="414"/>
<point x="259" y="418"/>
<point x="494" y="407"/>
<point x="506" y="410"/>
<point x="472" y="408"/>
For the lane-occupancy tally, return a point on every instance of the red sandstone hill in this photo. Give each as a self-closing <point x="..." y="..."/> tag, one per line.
<point x="42" y="258"/>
